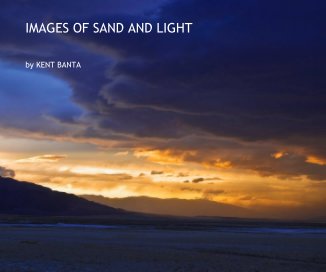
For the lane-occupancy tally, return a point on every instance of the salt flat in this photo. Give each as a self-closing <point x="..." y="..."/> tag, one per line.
<point x="71" y="248"/>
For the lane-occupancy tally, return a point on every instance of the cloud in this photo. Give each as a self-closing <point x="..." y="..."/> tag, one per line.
<point x="35" y="101"/>
<point x="122" y="153"/>
<point x="43" y="158"/>
<point x="153" y="172"/>
<point x="247" y="198"/>
<point x="212" y="193"/>
<point x="161" y="156"/>
<point x="189" y="189"/>
<point x="278" y="155"/>
<point x="198" y="180"/>
<point x="245" y="84"/>
<point x="315" y="160"/>
<point x="6" y="173"/>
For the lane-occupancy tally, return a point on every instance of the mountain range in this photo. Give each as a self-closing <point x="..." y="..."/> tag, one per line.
<point x="26" y="198"/>
<point x="172" y="206"/>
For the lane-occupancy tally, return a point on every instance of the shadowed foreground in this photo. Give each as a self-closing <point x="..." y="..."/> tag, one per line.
<point x="92" y="249"/>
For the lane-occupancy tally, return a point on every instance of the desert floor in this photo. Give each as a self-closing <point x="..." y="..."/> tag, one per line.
<point x="96" y="249"/>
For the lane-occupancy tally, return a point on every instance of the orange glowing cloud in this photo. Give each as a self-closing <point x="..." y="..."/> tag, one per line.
<point x="279" y="155"/>
<point x="222" y="164"/>
<point x="315" y="160"/>
<point x="43" y="158"/>
<point x="164" y="156"/>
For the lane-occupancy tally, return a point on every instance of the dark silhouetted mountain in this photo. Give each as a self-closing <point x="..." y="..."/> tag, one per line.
<point x="172" y="206"/>
<point x="23" y="198"/>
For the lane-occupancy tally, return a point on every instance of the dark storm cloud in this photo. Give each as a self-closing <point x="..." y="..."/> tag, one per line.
<point x="250" y="71"/>
<point x="255" y="74"/>
<point x="54" y="8"/>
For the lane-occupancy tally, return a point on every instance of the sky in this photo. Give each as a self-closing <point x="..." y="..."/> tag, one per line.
<point x="233" y="112"/>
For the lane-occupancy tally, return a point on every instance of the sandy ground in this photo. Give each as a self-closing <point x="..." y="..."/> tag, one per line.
<point x="76" y="249"/>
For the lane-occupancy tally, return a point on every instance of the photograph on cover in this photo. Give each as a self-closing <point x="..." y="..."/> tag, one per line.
<point x="162" y="135"/>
